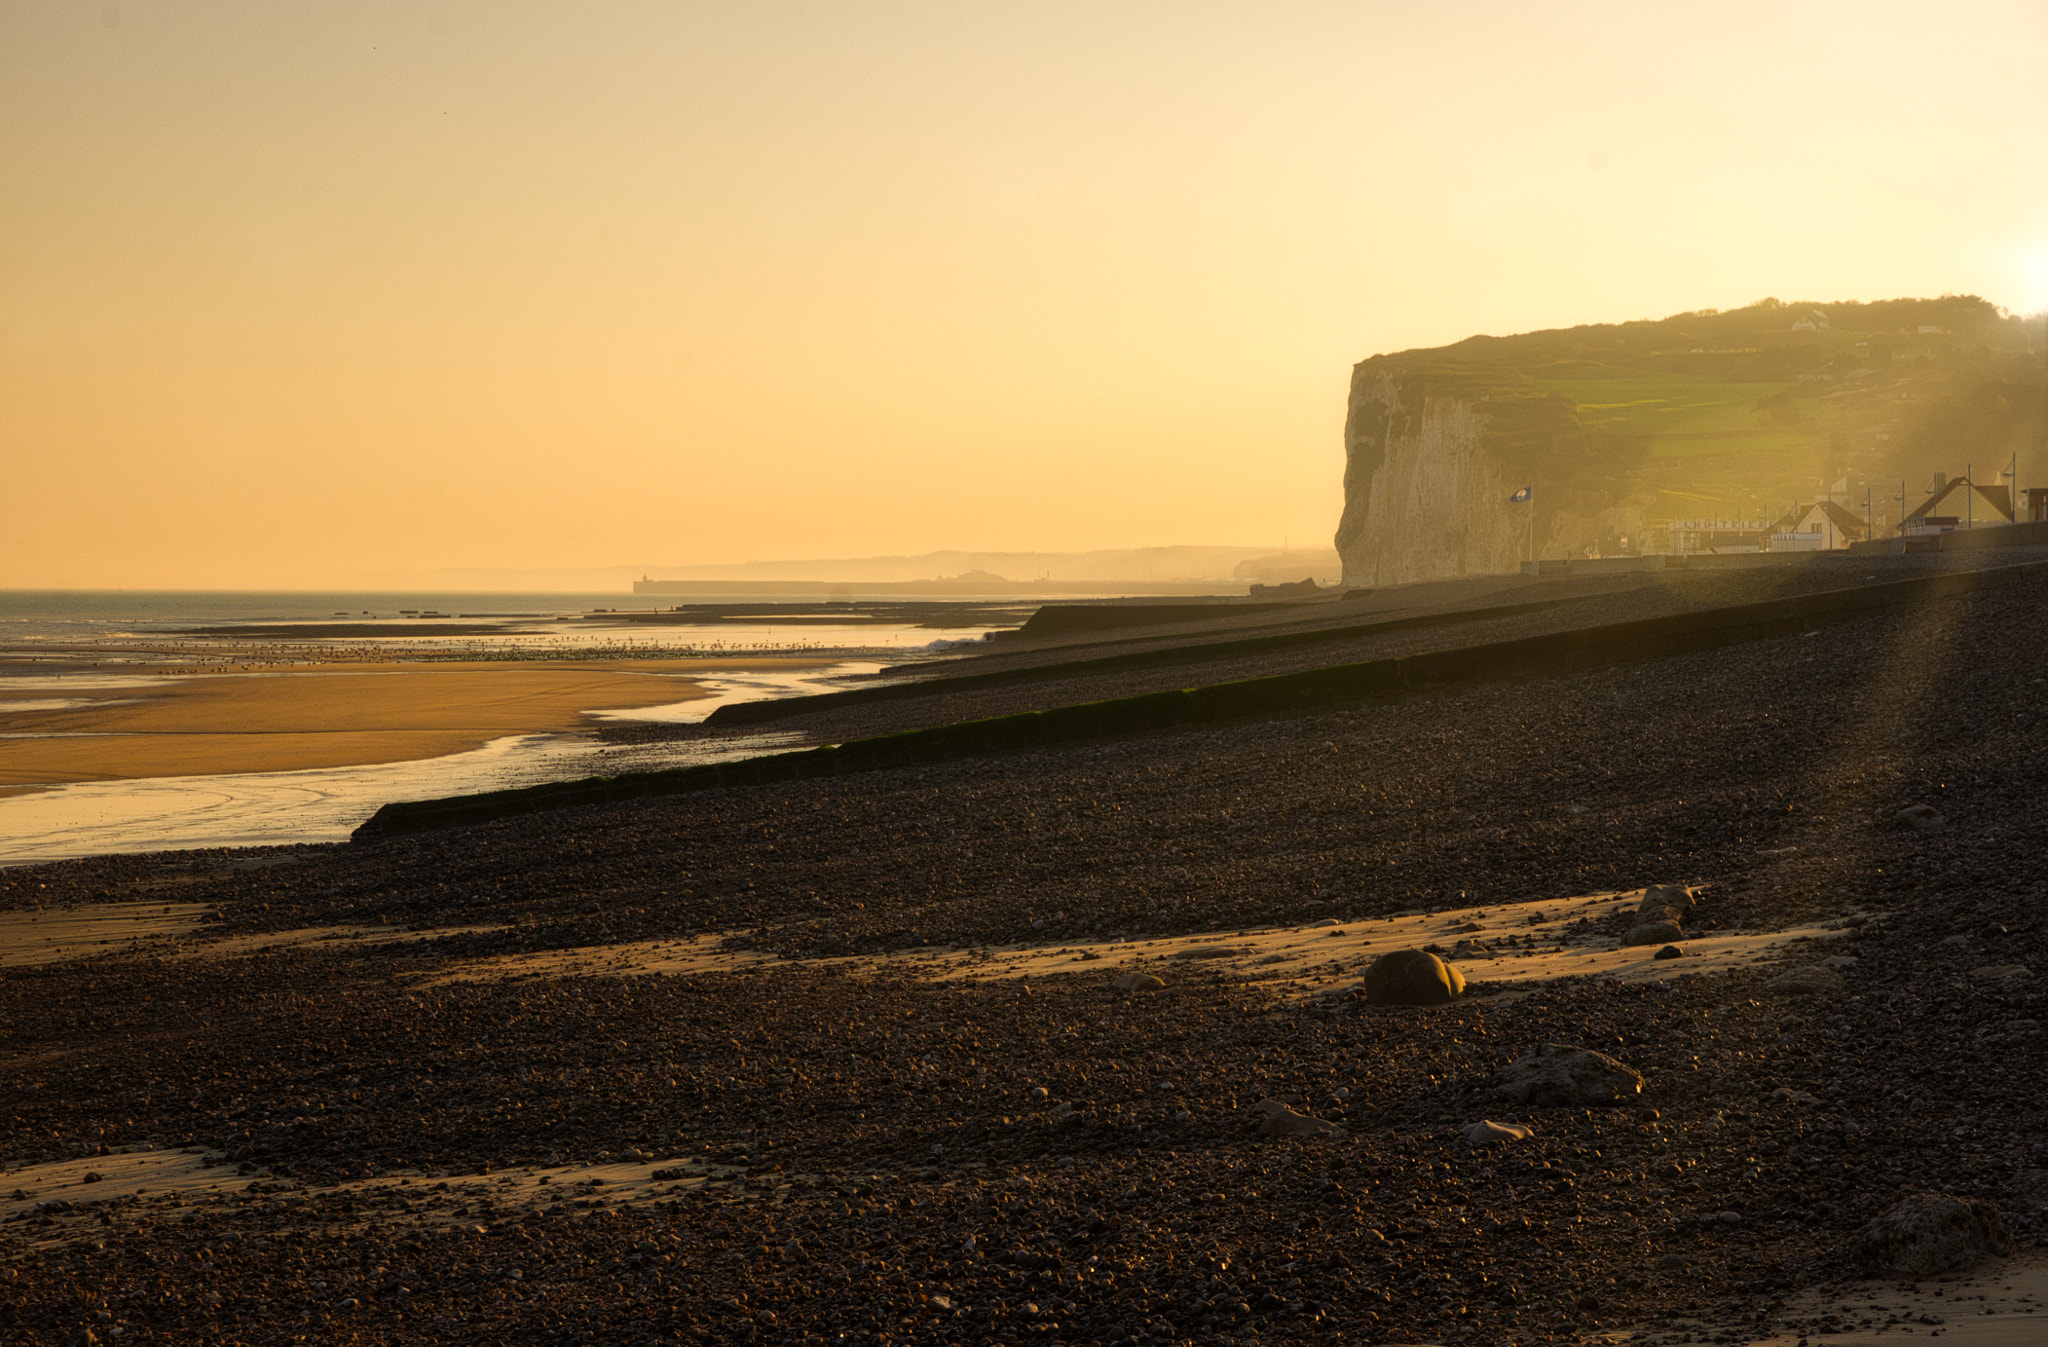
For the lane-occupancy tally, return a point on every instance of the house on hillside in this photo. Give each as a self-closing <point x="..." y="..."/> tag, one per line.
<point x="1969" y="506"/>
<point x="1823" y="526"/>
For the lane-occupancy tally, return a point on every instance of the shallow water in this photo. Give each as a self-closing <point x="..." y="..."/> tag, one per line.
<point x="275" y="808"/>
<point x="111" y="629"/>
<point x="327" y="804"/>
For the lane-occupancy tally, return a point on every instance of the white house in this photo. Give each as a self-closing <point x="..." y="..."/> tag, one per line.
<point x="1822" y="526"/>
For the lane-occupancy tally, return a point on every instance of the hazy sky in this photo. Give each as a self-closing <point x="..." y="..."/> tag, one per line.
<point x="293" y="291"/>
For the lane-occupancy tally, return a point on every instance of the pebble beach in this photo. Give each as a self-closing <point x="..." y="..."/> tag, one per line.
<point x="879" y="1058"/>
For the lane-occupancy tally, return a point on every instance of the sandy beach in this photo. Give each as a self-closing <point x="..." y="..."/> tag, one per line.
<point x="168" y="721"/>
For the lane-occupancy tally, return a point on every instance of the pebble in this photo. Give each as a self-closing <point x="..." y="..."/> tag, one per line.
<point x="1139" y="982"/>
<point x="1487" y="1132"/>
<point x="1669" y="952"/>
<point x="1921" y="816"/>
<point x="2002" y="972"/>
<point x="1282" y="1121"/>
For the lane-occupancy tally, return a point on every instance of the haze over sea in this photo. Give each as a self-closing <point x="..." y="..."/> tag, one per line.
<point x="68" y="652"/>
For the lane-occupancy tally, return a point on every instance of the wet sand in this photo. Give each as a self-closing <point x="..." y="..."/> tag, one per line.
<point x="329" y="716"/>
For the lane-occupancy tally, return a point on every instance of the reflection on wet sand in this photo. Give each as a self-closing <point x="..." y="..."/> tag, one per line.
<point x="238" y="803"/>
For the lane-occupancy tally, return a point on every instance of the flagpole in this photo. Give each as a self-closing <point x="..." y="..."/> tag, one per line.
<point x="1527" y="496"/>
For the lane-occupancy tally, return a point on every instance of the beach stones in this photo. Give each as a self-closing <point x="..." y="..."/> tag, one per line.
<point x="1660" y="917"/>
<point x="1930" y="1233"/>
<point x="1558" y="1075"/>
<point x="1139" y="982"/>
<point x="1487" y="1132"/>
<point x="1282" y="1121"/>
<point x="1412" y="977"/>
<point x="1811" y="980"/>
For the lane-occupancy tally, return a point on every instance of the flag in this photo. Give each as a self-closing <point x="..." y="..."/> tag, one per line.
<point x="1523" y="495"/>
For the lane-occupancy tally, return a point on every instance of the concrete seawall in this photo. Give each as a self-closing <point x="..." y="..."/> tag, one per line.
<point x="1387" y="679"/>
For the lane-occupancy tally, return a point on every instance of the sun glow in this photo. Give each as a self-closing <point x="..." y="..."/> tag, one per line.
<point x="292" y="295"/>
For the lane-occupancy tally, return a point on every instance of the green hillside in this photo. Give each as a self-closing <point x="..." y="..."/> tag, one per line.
<point x="1738" y="413"/>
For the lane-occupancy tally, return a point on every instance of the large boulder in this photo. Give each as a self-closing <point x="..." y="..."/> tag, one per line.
<point x="1412" y="977"/>
<point x="1658" y="897"/>
<point x="1928" y="1234"/>
<point x="1557" y="1075"/>
<point x="1653" y="933"/>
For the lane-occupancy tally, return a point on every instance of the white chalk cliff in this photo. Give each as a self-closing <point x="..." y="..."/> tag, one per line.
<point x="1431" y="460"/>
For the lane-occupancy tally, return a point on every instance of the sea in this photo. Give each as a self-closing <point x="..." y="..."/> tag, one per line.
<point x="94" y="639"/>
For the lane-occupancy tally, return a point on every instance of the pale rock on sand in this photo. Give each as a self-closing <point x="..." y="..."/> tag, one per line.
<point x="1558" y="1074"/>
<point x="1811" y="980"/>
<point x="1282" y="1121"/>
<point x="1412" y="977"/>
<point x="1931" y="1233"/>
<point x="1486" y="1132"/>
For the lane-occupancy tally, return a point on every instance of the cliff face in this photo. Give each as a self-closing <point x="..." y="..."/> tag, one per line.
<point x="1431" y="458"/>
<point x="1423" y="497"/>
<point x="1707" y="413"/>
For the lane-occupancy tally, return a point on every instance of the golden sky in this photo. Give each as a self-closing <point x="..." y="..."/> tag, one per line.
<point x="293" y="292"/>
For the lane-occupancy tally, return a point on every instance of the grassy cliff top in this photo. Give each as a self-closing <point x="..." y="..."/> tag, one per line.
<point x="1740" y="412"/>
